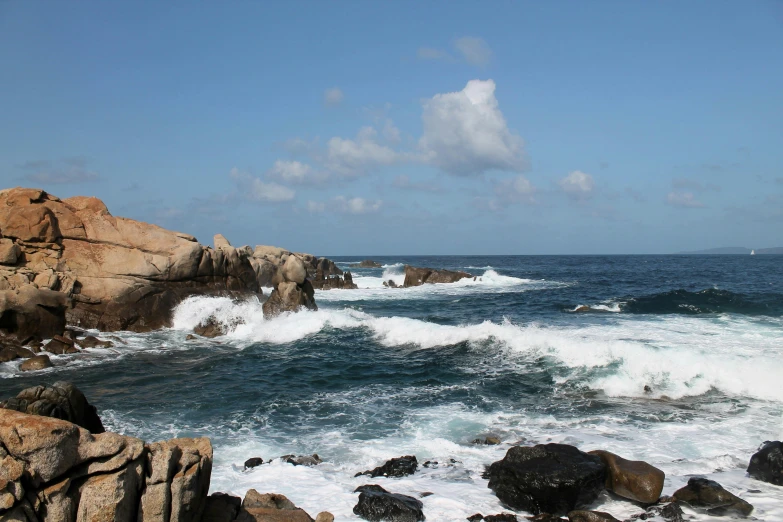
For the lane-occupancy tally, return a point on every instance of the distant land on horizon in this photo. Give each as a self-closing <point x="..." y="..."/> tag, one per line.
<point x="736" y="250"/>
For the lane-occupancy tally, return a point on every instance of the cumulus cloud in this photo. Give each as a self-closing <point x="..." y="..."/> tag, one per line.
<point x="355" y="205"/>
<point x="66" y="171"/>
<point x="683" y="199"/>
<point x="474" y="50"/>
<point x="295" y="172"/>
<point x="253" y="189"/>
<point x="352" y="158"/>
<point x="333" y="96"/>
<point x="465" y="133"/>
<point x="577" y="184"/>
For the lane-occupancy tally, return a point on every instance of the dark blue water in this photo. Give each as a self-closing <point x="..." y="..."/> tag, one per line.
<point x="537" y="348"/>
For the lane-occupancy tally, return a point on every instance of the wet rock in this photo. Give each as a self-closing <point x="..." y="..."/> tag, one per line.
<point x="397" y="467"/>
<point x="476" y="517"/>
<point x="324" y="516"/>
<point x="221" y="507"/>
<point x="294" y="270"/>
<point x="547" y="478"/>
<point x="211" y="329"/>
<point x="710" y="496"/>
<point x="253" y="462"/>
<point x="61" y="400"/>
<point x="302" y="460"/>
<point x="545" y="517"/>
<point x="30" y="313"/>
<point x="10" y="353"/>
<point x="376" y="504"/>
<point x="288" y="296"/>
<point x="93" y="342"/>
<point x="582" y="308"/>
<point x="415" y="276"/>
<point x="590" y="516"/>
<point x="631" y="479"/>
<point x="270" y="507"/>
<point x="59" y="347"/>
<point x="501" y="517"/>
<point x="767" y="463"/>
<point x="670" y="512"/>
<point x="490" y="440"/>
<point x="390" y="283"/>
<point x="190" y="337"/>
<point x="39" y="362"/>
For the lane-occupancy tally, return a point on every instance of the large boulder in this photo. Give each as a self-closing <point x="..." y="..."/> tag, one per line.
<point x="294" y="270"/>
<point x="547" y="478"/>
<point x="632" y="479"/>
<point x="289" y="297"/>
<point x="270" y="507"/>
<point x="221" y="507"/>
<point x="61" y="400"/>
<point x="415" y="276"/>
<point x="376" y="504"/>
<point x="767" y="463"/>
<point x="9" y="252"/>
<point x="712" y="498"/>
<point x="39" y="362"/>
<point x="29" y="312"/>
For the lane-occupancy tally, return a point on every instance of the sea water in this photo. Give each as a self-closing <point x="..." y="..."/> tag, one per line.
<point x="536" y="349"/>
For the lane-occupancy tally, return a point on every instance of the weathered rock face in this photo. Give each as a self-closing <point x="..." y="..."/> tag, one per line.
<point x="398" y="467"/>
<point x="547" y="478"/>
<point x="61" y="400"/>
<point x="270" y="507"/>
<point x="767" y="463"/>
<point x="53" y="470"/>
<point x="289" y="296"/>
<point x="118" y="273"/>
<point x="376" y="504"/>
<point x="632" y="479"/>
<point x="711" y="497"/>
<point x="221" y="507"/>
<point x="28" y="312"/>
<point x="418" y="276"/>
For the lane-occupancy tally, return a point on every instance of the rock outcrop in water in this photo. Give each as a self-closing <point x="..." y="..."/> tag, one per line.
<point x="376" y="504"/>
<point x="415" y="276"/>
<point x="631" y="479"/>
<point x="767" y="463"/>
<point x="397" y="467"/>
<point x="708" y="495"/>
<point x="293" y="292"/>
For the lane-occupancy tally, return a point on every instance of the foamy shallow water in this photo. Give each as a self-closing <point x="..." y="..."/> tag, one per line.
<point x="377" y="373"/>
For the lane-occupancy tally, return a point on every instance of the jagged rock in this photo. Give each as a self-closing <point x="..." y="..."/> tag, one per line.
<point x="9" y="252"/>
<point x="390" y="283"/>
<point x="547" y="478"/>
<point x="490" y="440"/>
<point x="709" y="495"/>
<point x="590" y="516"/>
<point x="767" y="463"/>
<point x="397" y="467"/>
<point x="10" y="352"/>
<point x="220" y="241"/>
<point x="29" y="312"/>
<point x="670" y="512"/>
<point x="253" y="462"/>
<point x="93" y="342"/>
<point x="289" y="297"/>
<point x="270" y="507"/>
<point x="39" y="362"/>
<point x="415" y="276"/>
<point x="328" y="267"/>
<point x="221" y="507"/>
<point x="376" y="504"/>
<point x="632" y="479"/>
<point x="61" y="400"/>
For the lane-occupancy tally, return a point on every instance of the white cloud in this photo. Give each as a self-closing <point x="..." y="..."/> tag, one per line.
<point x="515" y="190"/>
<point x="333" y="96"/>
<point x="683" y="199"/>
<point x="577" y="184"/>
<point x="315" y="207"/>
<point x="351" y="158"/>
<point x="465" y="133"/>
<point x="254" y="189"/>
<point x="295" y="172"/>
<point x="391" y="132"/>
<point x="474" y="50"/>
<point x="430" y="53"/>
<point x="355" y="205"/>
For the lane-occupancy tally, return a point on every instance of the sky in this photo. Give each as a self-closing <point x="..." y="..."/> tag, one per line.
<point x="363" y="127"/>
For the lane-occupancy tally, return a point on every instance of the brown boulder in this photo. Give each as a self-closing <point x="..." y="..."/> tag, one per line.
<point x="59" y="347"/>
<point x="270" y="507"/>
<point x="61" y="400"/>
<point x="9" y="252"/>
<point x="710" y="496"/>
<point x="290" y="297"/>
<point x="415" y="276"/>
<point x="294" y="270"/>
<point x="91" y="341"/>
<point x="39" y="362"/>
<point x="210" y="328"/>
<point x="29" y="312"/>
<point x="632" y="479"/>
<point x="34" y="223"/>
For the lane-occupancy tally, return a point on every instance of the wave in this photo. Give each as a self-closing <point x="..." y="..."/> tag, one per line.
<point x="676" y="358"/>
<point x="709" y="301"/>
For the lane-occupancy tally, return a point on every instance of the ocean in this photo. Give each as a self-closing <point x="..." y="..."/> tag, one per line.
<point x="537" y="349"/>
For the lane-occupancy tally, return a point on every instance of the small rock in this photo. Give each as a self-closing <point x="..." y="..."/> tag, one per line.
<point x="302" y="460"/>
<point x="58" y="347"/>
<point x="270" y="507"/>
<point x="426" y="494"/>
<point x="221" y="507"/>
<point x="92" y="342"/>
<point x="397" y="467"/>
<point x="15" y="352"/>
<point x="590" y="516"/>
<point x="324" y="516"/>
<point x="545" y="517"/>
<point x="376" y="505"/>
<point x="39" y="362"/>
<point x="476" y="517"/>
<point x="490" y="440"/>
<point x="767" y="463"/>
<point x="708" y="494"/>
<point x="190" y="337"/>
<point x="209" y="329"/>
<point x="501" y="517"/>
<point x="253" y="462"/>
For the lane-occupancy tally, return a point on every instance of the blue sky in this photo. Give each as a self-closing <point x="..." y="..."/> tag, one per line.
<point x="407" y="127"/>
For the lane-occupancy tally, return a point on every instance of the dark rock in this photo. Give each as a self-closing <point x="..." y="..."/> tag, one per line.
<point x="270" y="507"/>
<point x="367" y="263"/>
<point x="35" y="345"/>
<point x="547" y="478"/>
<point x="92" y="342"/>
<point x="425" y="494"/>
<point x="302" y="460"/>
<point x="30" y="312"/>
<point x="546" y="517"/>
<point x="490" y="440"/>
<point x="61" y="400"/>
<point x="476" y="517"/>
<point x="670" y="512"/>
<point x="390" y="283"/>
<point x="328" y="267"/>
<point x="211" y="328"/>
<point x="190" y="337"/>
<point x="39" y="362"/>
<point x="10" y="353"/>
<point x="709" y="495"/>
<point x="501" y="517"/>
<point x="376" y="504"/>
<point x="590" y="516"/>
<point x="253" y="462"/>
<point x="58" y="347"/>
<point x="632" y="479"/>
<point x="398" y="467"/>
<point x="221" y="507"/>
<point x="418" y="276"/>
<point x="767" y="463"/>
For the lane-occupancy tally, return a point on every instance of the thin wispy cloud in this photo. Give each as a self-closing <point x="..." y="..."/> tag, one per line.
<point x="467" y="49"/>
<point x="63" y="172"/>
<point x="333" y="96"/>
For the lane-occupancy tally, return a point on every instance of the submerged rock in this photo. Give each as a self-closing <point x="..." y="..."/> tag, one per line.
<point x="631" y="479"/>
<point x="767" y="463"/>
<point x="376" y="505"/>
<point x="59" y="346"/>
<point x="709" y="495"/>
<point x="61" y="400"/>
<point x="547" y="478"/>
<point x="397" y="467"/>
<point x="211" y="329"/>
<point x="93" y="342"/>
<point x="302" y="460"/>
